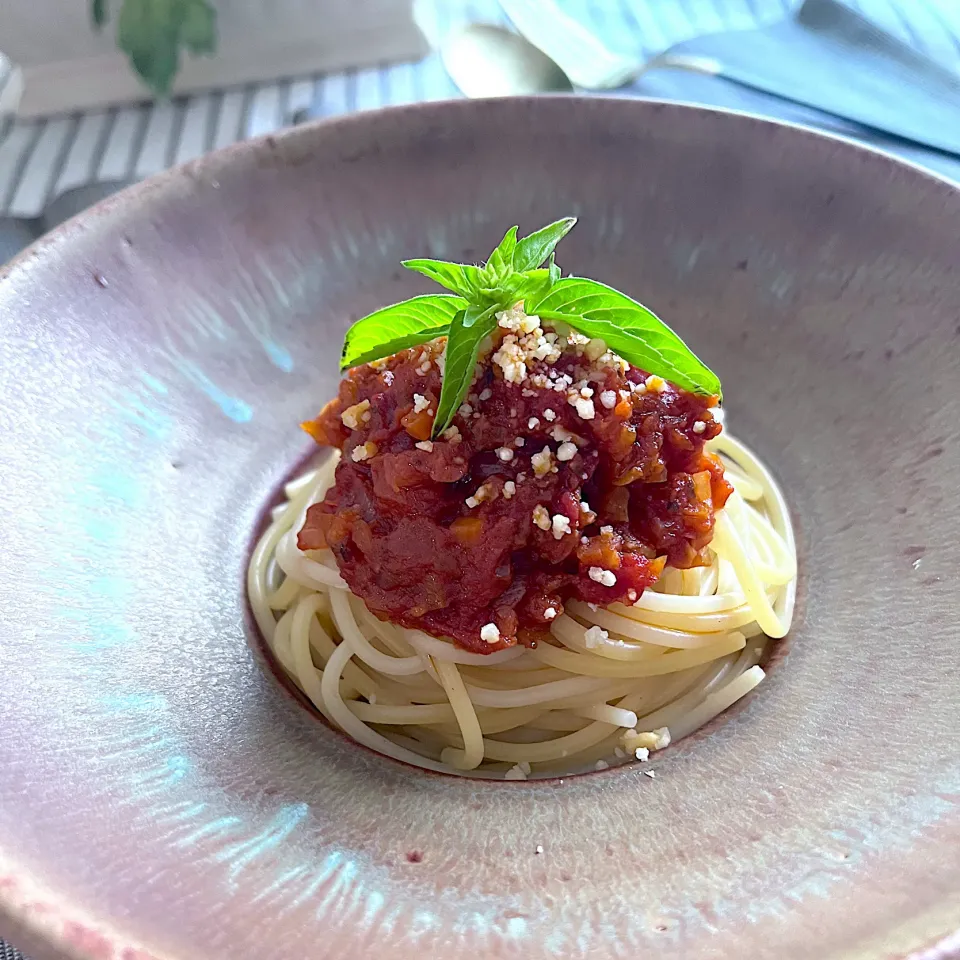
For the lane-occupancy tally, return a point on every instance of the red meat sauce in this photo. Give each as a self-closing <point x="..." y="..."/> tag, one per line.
<point x="449" y="537"/>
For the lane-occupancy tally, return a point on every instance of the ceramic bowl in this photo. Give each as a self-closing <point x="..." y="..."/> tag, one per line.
<point x="164" y="797"/>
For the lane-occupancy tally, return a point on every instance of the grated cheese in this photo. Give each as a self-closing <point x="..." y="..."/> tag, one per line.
<point x="566" y="451"/>
<point x="351" y="416"/>
<point x="541" y="517"/>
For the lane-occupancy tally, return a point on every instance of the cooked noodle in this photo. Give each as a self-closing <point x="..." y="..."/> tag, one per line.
<point x="682" y="654"/>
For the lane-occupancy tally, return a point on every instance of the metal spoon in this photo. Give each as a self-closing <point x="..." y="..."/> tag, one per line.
<point x="486" y="60"/>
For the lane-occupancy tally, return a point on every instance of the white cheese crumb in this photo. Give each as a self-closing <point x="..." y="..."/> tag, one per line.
<point x="489" y="633"/>
<point x="519" y="442"/>
<point x="606" y="531"/>
<point x="549" y="415"/>
<point x="561" y="526"/>
<point x="717" y="414"/>
<point x="541" y="516"/>
<point x="606" y="578"/>
<point x="538" y="849"/>
<point x="601" y="765"/>
<point x="648" y="740"/>
<point x="452" y="434"/>
<point x="595" y="636"/>
<point x="465" y="410"/>
<point x="699" y="427"/>
<point x="420" y="403"/>
<point x="663" y="738"/>
<point x="549" y="613"/>
<point x="567" y="451"/>
<point x="510" y="359"/>
<point x="515" y="773"/>
<point x="654" y="382"/>
<point x="364" y="452"/>
<point x="387" y="377"/>
<point x="509" y="489"/>
<point x="505" y="454"/>
<point x="542" y="462"/>
<point x="486" y="394"/>
<point x="351" y="416"/>
<point x="425" y="445"/>
<point x="585" y="508"/>
<point x="521" y="477"/>
<point x="639" y="388"/>
<point x="584" y="408"/>
<point x="484" y="492"/>
<point x="609" y="399"/>
<point x="533" y="423"/>
<point x="652" y="774"/>
<point x="642" y="754"/>
<point x="561" y="433"/>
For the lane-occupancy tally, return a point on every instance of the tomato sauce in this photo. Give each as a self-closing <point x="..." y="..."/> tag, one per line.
<point x="579" y="479"/>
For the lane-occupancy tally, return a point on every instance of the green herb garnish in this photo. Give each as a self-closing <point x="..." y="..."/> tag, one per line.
<point x="513" y="272"/>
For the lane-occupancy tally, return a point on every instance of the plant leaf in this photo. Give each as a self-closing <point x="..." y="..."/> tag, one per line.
<point x="98" y="13"/>
<point x="531" y="251"/>
<point x="628" y="328"/>
<point x="463" y="343"/>
<point x="198" y="29"/>
<point x="401" y="325"/>
<point x="500" y="262"/>
<point x="553" y="270"/>
<point x="461" y="278"/>
<point x="151" y="33"/>
<point x="533" y="284"/>
<point x="148" y="31"/>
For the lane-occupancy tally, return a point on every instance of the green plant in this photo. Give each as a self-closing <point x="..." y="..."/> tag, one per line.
<point x="153" y="32"/>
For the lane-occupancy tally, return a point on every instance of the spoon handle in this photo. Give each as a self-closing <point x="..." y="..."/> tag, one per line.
<point x="580" y="54"/>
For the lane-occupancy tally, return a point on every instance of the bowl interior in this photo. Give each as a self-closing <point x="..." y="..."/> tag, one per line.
<point x="157" y="355"/>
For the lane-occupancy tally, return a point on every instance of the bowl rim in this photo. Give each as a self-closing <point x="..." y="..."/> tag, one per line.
<point x="54" y="929"/>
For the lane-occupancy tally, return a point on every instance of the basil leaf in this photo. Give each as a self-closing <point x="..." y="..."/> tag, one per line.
<point x="500" y="263"/>
<point x="463" y="344"/>
<point x="399" y="326"/>
<point x="553" y="270"/>
<point x="533" y="250"/>
<point x="628" y="328"/>
<point x="533" y="284"/>
<point x="461" y="278"/>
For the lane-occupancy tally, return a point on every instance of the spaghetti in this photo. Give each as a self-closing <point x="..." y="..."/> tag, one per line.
<point x="611" y="683"/>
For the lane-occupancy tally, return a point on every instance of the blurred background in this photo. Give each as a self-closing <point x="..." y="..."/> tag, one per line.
<point x="98" y="93"/>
